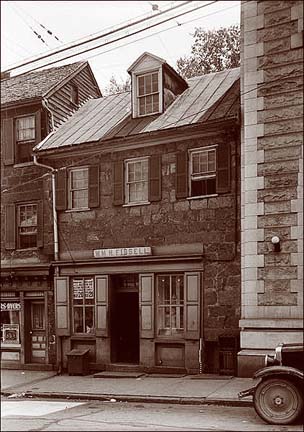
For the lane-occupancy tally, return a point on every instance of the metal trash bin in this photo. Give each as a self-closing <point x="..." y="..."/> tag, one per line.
<point x="78" y="362"/>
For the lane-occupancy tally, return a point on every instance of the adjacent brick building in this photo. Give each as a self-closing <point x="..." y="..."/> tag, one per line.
<point x="148" y="206"/>
<point x="32" y="106"/>
<point x="272" y="178"/>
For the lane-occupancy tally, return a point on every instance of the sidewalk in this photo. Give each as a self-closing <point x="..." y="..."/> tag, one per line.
<point x="184" y="389"/>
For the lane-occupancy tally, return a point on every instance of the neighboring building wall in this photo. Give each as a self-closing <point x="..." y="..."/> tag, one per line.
<point x="272" y="178"/>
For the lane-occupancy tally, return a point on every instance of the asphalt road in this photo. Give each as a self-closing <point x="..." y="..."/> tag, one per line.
<point x="67" y="415"/>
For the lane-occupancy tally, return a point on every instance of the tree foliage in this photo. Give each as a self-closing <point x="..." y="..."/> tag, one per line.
<point x="212" y="51"/>
<point x="116" y="86"/>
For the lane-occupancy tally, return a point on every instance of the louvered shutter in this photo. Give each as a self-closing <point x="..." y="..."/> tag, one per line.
<point x="61" y="190"/>
<point x="182" y="175"/>
<point x="94" y="186"/>
<point x="155" y="178"/>
<point x="223" y="168"/>
<point x="37" y="127"/>
<point x="146" y="305"/>
<point x="192" y="305"/>
<point x="118" y="198"/>
<point x="10" y="226"/>
<point x="8" y="141"/>
<point x="40" y="224"/>
<point x="62" y="305"/>
<point x="102" y="304"/>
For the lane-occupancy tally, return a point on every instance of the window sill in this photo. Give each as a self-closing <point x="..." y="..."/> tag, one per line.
<point x="169" y="339"/>
<point x="27" y="249"/>
<point x="202" y="196"/>
<point x="137" y="204"/>
<point x="83" y="336"/>
<point x="75" y="210"/>
<point x="23" y="164"/>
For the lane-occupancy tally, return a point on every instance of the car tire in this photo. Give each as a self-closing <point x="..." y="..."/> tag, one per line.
<point x="278" y="401"/>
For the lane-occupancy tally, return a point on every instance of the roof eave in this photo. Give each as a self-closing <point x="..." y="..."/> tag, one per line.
<point x="21" y="102"/>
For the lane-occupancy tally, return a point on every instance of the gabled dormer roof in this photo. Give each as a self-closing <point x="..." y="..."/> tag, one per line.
<point x="39" y="84"/>
<point x="146" y="57"/>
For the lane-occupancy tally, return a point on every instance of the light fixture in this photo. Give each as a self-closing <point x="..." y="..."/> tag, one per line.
<point x="276" y="243"/>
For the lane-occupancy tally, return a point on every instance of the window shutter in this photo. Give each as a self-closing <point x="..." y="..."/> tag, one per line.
<point x="62" y="304"/>
<point x="94" y="186"/>
<point x="155" y="178"/>
<point x="181" y="175"/>
<point x="61" y="190"/>
<point x="37" y="127"/>
<point x="40" y="224"/>
<point x="10" y="226"/>
<point x="118" y="183"/>
<point x="223" y="168"/>
<point x="146" y="305"/>
<point x="8" y="141"/>
<point x="192" y="284"/>
<point x="102" y="304"/>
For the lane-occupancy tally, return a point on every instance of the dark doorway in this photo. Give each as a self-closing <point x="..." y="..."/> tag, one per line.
<point x="125" y="320"/>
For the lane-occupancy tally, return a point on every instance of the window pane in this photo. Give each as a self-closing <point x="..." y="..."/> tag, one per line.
<point x="89" y="319"/>
<point x="141" y="85"/>
<point x="211" y="161"/>
<point x="79" y="179"/>
<point x="38" y="316"/>
<point x="80" y="199"/>
<point x="155" y="103"/>
<point x="154" y="82"/>
<point x="148" y="104"/>
<point x="78" y="320"/>
<point x="25" y="128"/>
<point x="8" y="318"/>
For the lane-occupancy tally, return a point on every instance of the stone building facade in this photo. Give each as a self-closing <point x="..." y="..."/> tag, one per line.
<point x="148" y="275"/>
<point x="272" y="178"/>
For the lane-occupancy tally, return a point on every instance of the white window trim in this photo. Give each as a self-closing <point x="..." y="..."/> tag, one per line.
<point x="134" y="203"/>
<point x="135" y="100"/>
<point x="70" y="208"/>
<point x="202" y="177"/>
<point x="18" y="225"/>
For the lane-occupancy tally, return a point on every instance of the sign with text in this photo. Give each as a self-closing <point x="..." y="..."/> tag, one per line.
<point x="123" y="252"/>
<point x="10" y="306"/>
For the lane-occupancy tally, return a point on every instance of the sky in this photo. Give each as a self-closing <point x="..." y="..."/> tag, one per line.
<point x="69" y="21"/>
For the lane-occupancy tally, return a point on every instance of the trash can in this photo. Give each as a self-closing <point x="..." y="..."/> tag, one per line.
<point x="78" y="362"/>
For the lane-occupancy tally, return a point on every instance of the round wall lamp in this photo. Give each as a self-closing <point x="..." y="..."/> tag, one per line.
<point x="276" y="243"/>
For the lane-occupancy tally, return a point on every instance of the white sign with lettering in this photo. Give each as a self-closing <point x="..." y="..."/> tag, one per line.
<point x="122" y="252"/>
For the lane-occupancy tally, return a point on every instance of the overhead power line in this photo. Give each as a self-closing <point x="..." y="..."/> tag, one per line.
<point x="119" y="38"/>
<point x="76" y="45"/>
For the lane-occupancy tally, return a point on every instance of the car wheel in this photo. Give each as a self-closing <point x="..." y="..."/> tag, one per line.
<point x="278" y="401"/>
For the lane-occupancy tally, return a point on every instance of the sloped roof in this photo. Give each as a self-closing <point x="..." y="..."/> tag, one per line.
<point x="209" y="97"/>
<point x="35" y="84"/>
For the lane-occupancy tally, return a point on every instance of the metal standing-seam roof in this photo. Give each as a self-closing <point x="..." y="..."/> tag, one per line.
<point x="209" y="97"/>
<point x="34" y="84"/>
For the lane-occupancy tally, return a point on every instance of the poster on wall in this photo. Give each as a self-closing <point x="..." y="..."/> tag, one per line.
<point x="78" y="288"/>
<point x="89" y="289"/>
<point x="10" y="333"/>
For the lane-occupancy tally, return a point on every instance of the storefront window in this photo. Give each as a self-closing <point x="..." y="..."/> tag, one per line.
<point x="170" y="317"/>
<point x="10" y="322"/>
<point x="83" y="305"/>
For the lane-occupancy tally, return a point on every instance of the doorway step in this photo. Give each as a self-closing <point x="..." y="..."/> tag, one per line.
<point x="124" y="367"/>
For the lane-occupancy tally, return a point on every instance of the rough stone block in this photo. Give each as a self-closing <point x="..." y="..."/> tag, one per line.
<point x="276" y="273"/>
<point x="283" y="154"/>
<point x="277" y="207"/>
<point x="277" y="220"/>
<point x="290" y="140"/>
<point x="278" y="168"/>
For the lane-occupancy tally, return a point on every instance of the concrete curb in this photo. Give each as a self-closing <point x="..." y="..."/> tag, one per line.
<point x="134" y="398"/>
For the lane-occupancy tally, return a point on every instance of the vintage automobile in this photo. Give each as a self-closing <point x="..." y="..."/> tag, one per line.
<point x="278" y="390"/>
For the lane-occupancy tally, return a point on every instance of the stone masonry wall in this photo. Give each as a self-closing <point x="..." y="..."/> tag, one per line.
<point x="213" y="221"/>
<point x="272" y="172"/>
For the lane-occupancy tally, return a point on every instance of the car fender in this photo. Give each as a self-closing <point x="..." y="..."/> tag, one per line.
<point x="271" y="371"/>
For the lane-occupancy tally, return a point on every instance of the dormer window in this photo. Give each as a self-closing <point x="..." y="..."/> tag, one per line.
<point x="148" y="94"/>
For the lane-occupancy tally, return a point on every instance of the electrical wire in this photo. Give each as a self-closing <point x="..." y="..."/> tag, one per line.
<point x="47" y="55"/>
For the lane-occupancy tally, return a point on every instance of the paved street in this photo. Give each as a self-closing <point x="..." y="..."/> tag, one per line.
<point x="65" y="415"/>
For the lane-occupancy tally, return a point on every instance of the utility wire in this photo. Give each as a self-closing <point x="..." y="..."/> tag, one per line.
<point x="41" y="25"/>
<point x="47" y="55"/>
<point x="26" y="22"/>
<point x="115" y="40"/>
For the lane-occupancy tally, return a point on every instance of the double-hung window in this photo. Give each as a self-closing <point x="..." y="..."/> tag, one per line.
<point x="136" y="180"/>
<point x="148" y="94"/>
<point x="170" y="305"/>
<point x="83" y="305"/>
<point x="203" y="172"/>
<point x="25" y="135"/>
<point x="27" y="226"/>
<point x="78" y="188"/>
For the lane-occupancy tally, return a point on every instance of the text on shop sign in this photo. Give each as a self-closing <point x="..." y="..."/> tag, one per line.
<point x="122" y="252"/>
<point x="10" y="306"/>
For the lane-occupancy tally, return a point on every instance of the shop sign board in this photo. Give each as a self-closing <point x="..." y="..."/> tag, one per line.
<point x="10" y="333"/>
<point x="122" y="252"/>
<point x="10" y="306"/>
